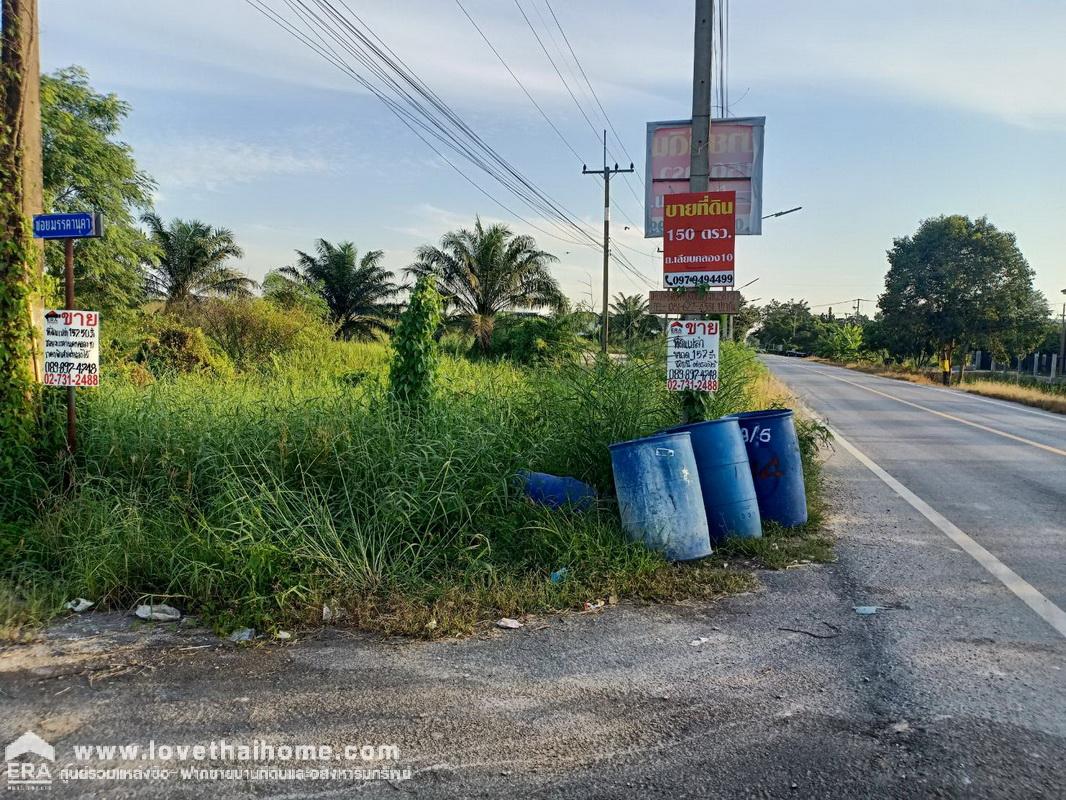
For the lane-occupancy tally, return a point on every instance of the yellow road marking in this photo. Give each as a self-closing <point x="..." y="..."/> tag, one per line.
<point x="978" y="425"/>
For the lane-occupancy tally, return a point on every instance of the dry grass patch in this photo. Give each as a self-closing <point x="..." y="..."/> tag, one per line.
<point x="1028" y="395"/>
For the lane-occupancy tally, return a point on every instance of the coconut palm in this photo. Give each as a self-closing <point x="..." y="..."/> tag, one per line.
<point x="484" y="271"/>
<point x="191" y="262"/>
<point x="356" y="290"/>
<point x="630" y="316"/>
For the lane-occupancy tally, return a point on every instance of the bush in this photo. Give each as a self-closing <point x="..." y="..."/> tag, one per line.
<point x="250" y="332"/>
<point x="172" y="348"/>
<point x="531" y="340"/>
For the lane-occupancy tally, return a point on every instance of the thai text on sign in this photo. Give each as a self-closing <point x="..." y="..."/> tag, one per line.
<point x="692" y="355"/>
<point x="698" y="239"/>
<point x="71" y="348"/>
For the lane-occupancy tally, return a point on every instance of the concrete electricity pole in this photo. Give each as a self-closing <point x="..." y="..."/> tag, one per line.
<point x="703" y="43"/>
<point x="606" y="172"/>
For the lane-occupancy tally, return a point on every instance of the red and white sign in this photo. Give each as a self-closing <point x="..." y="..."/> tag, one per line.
<point x="699" y="239"/>
<point x="736" y="155"/>
<point x="71" y="348"/>
<point x="692" y="356"/>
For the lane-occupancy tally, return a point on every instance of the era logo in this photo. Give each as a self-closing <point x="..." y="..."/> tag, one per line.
<point x="26" y="773"/>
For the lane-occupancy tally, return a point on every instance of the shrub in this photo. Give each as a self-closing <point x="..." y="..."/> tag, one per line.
<point x="171" y="348"/>
<point x="530" y="340"/>
<point x="251" y="331"/>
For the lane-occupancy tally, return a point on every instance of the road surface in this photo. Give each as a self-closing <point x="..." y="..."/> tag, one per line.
<point x="954" y="688"/>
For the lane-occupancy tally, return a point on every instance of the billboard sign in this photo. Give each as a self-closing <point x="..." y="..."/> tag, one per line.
<point x="692" y="356"/>
<point x="699" y="239"/>
<point x="736" y="165"/>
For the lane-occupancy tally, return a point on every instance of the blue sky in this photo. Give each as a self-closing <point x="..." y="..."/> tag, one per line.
<point x="878" y="115"/>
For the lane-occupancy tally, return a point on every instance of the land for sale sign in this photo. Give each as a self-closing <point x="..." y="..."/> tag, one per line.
<point x="692" y="356"/>
<point x="699" y="239"/>
<point x="71" y="348"/>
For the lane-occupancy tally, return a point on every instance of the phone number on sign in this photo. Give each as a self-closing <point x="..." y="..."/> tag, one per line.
<point x="696" y="386"/>
<point x="66" y="379"/>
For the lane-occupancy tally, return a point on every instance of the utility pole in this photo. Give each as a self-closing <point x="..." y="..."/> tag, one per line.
<point x="703" y="44"/>
<point x="606" y="172"/>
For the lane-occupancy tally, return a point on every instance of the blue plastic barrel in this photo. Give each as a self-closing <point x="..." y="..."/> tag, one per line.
<point x="555" y="491"/>
<point x="658" y="487"/>
<point x="776" y="469"/>
<point x="725" y="478"/>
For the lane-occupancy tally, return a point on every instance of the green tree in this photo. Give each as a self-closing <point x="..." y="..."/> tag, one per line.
<point x="630" y="317"/>
<point x="192" y="262"/>
<point x="414" y="360"/>
<point x="841" y="342"/>
<point x="484" y="271"/>
<point x="790" y="325"/>
<point x="86" y="168"/>
<point x="356" y="290"/>
<point x="958" y="284"/>
<point x="746" y="318"/>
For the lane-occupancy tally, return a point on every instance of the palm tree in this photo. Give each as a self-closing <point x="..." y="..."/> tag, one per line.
<point x="631" y="317"/>
<point x="355" y="290"/>
<point x="484" y="271"/>
<point x="191" y="262"/>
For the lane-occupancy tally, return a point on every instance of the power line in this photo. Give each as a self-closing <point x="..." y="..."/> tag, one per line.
<point x="588" y="83"/>
<point x="532" y="100"/>
<point x="414" y="102"/>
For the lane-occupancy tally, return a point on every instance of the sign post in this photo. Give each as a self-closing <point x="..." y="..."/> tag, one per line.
<point x="71" y="337"/>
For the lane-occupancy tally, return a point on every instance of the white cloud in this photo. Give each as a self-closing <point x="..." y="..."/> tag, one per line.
<point x="213" y="164"/>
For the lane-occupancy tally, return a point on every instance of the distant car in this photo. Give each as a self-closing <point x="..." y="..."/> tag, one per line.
<point x="796" y="353"/>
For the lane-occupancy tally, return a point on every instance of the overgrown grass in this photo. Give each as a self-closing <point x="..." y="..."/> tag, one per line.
<point x="1049" y="398"/>
<point x="258" y="499"/>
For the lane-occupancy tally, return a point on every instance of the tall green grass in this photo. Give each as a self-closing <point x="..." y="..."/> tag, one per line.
<point x="259" y="498"/>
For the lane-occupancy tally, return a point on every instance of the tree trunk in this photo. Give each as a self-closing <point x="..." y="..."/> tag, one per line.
<point x="20" y="197"/>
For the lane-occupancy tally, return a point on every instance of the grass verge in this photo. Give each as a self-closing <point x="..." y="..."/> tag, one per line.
<point x="1029" y="394"/>
<point x="257" y="499"/>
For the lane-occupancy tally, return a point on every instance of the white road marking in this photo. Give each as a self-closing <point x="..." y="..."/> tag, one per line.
<point x="1022" y="589"/>
<point x="945" y="415"/>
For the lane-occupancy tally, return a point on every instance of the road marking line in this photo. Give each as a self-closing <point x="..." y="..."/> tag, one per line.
<point x="962" y="394"/>
<point x="1022" y="589"/>
<point x="977" y="425"/>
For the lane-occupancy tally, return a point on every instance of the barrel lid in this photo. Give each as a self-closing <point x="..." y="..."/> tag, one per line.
<point x="691" y="426"/>
<point x="655" y="437"/>
<point x="769" y="413"/>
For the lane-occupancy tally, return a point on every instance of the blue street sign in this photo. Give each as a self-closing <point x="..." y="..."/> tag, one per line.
<point x="67" y="226"/>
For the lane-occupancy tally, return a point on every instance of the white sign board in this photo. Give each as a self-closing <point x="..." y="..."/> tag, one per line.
<point x="692" y="355"/>
<point x="71" y="348"/>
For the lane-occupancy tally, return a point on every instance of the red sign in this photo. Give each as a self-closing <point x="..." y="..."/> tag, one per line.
<point x="699" y="239"/>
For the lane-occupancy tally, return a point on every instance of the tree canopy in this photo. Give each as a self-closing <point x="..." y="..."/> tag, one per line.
<point x="486" y="270"/>
<point x="357" y="290"/>
<point x="193" y="262"/>
<point x="630" y="317"/>
<point x="86" y="168"/>
<point x="960" y="284"/>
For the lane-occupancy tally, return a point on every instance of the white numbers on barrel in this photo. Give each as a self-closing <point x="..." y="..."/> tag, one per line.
<point x="756" y="434"/>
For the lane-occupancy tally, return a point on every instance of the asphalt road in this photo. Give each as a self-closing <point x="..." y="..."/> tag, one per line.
<point x="954" y="688"/>
<point x="995" y="469"/>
